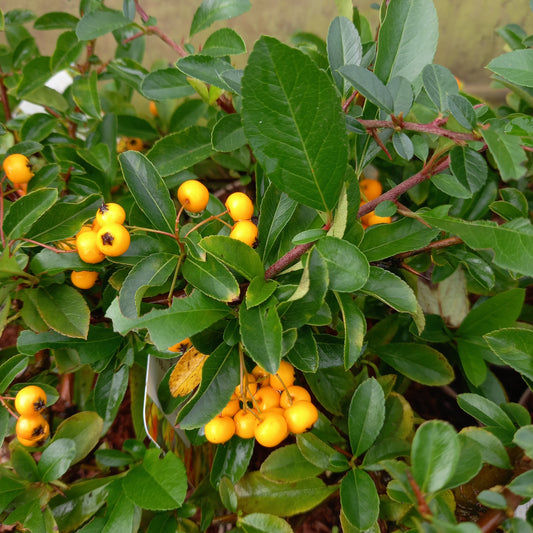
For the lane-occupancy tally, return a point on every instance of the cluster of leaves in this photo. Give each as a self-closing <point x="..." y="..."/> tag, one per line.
<point x="438" y="297"/>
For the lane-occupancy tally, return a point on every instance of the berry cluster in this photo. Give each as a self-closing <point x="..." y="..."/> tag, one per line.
<point x="18" y="171"/>
<point x="265" y="406"/>
<point x="370" y="190"/>
<point x="32" y="428"/>
<point x="106" y="236"/>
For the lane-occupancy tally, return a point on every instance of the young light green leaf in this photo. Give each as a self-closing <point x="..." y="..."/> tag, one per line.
<point x="490" y="447"/>
<point x="522" y="484"/>
<point x="314" y="158"/>
<point x="359" y="499"/>
<point x="208" y="69"/>
<point x="259" y="291"/>
<point x="524" y="438"/>
<point x="212" y="10"/>
<point x="263" y="523"/>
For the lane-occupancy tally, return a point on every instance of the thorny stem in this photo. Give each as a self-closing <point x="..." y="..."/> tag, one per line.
<point x="349" y="101"/>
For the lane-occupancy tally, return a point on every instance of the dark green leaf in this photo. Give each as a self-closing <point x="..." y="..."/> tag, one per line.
<point x="208" y="69"/>
<point x="99" y="22"/>
<point x="132" y="126"/>
<point x="469" y="464"/>
<point x="85" y="94"/>
<point x="23" y="462"/>
<point x="449" y="184"/>
<point x="468" y="167"/>
<point x="56" y="459"/>
<point x="212" y="10"/>
<point x="149" y="190"/>
<point x="507" y="152"/>
<point x="37" y="127"/>
<point x="489" y="446"/>
<point x="359" y="499"/>
<point x="354" y="329"/>
<point x="68" y="48"/>
<point x="34" y="74"/>
<point x="309" y="235"/>
<point x="462" y="110"/>
<point x="264" y="523"/>
<point x="366" y="415"/>
<point x="224" y="42"/>
<point x="369" y="85"/>
<point x="439" y="83"/>
<point x="109" y="392"/>
<point x="310" y="140"/>
<point x="181" y="150"/>
<point x="288" y="464"/>
<point x="516" y="66"/>
<point x="56" y="20"/>
<point x="403" y="145"/>
<point x="304" y="354"/>
<point x="166" y="84"/>
<point x="231" y="460"/>
<point x="259" y="291"/>
<point x="10" y="369"/>
<point x="513" y="346"/>
<point x="112" y="458"/>
<point x="228" y="133"/>
<point x="10" y="488"/>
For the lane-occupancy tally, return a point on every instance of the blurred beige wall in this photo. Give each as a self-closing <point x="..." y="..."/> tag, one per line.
<point x="467" y="27"/>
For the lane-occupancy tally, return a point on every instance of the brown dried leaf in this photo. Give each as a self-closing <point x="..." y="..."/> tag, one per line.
<point x="187" y="373"/>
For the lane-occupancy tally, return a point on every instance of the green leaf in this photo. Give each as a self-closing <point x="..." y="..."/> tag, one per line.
<point x="439" y="83"/>
<point x="64" y="310"/>
<point x="369" y="85"/>
<point x="10" y="369"/>
<point x="315" y="450"/>
<point x="121" y="514"/>
<point x="314" y="157"/>
<point x="220" y="376"/>
<point x="184" y="318"/>
<point x="304" y="353"/>
<point x="56" y="459"/>
<point x="68" y="48"/>
<point x="224" y="42"/>
<point x="462" y="110"/>
<point x="348" y="268"/>
<point x="212" y="278"/>
<point x="10" y="488"/>
<point x="235" y="254"/>
<point x="208" y="69"/>
<point x="309" y="235"/>
<point x="492" y="499"/>
<point x="34" y="74"/>
<point x="386" y="240"/>
<point x="263" y="523"/>
<point x="507" y="151"/>
<point x="511" y="243"/>
<point x="37" y="127"/>
<point x="99" y="22"/>
<point x="56" y="20"/>
<point x="524" y="438"/>
<point x="513" y="346"/>
<point x="46" y="96"/>
<point x="212" y="10"/>
<point x="418" y="362"/>
<point x="109" y="392"/>
<point x="403" y="145"/>
<point x="398" y="53"/>
<point x="228" y="133"/>
<point x="288" y="464"/>
<point x="354" y="329"/>
<point x="157" y="484"/>
<point x="261" y="334"/>
<point x="344" y="48"/>
<point x="490" y="447"/>
<point x="434" y="455"/>
<point x="231" y="460"/>
<point x="522" y="484"/>
<point x="85" y="94"/>
<point x="151" y="271"/>
<point x="258" y="494"/>
<point x="497" y="312"/>
<point x="23" y="462"/>
<point x="516" y="66"/>
<point x="468" y="465"/>
<point x="259" y="290"/>
<point x="166" y="84"/>
<point x="4" y="422"/>
<point x="359" y="499"/>
<point x="366" y="415"/>
<point x="181" y="150"/>
<point x="149" y="190"/>
<point x="84" y="429"/>
<point x="26" y="210"/>
<point x="390" y="289"/>
<point x="469" y="167"/>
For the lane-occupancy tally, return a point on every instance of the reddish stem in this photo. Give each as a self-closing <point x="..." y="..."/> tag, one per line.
<point x="12" y="413"/>
<point x="437" y="245"/>
<point x="2" y="236"/>
<point x="4" y="98"/>
<point x="492" y="519"/>
<point x="56" y="250"/>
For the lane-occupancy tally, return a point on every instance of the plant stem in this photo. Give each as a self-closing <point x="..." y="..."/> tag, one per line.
<point x="2" y="236"/>
<point x="437" y="245"/>
<point x="12" y="413"/>
<point x="4" y="97"/>
<point x="151" y="231"/>
<point x="56" y="250"/>
<point x="492" y="519"/>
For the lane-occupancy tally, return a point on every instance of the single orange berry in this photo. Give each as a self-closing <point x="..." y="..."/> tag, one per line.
<point x="272" y="429"/>
<point x="231" y="408"/>
<point x="29" y="442"/>
<point x="260" y="374"/>
<point x="220" y="429"/>
<point x="30" y="400"/>
<point x="193" y="196"/>
<point x="266" y="397"/>
<point x="245" y="231"/>
<point x="134" y="143"/>
<point x="110" y="212"/>
<point x="245" y="423"/>
<point x="301" y="416"/>
<point x="83" y="279"/>
<point x="295" y="394"/>
<point x="17" y="168"/>
<point x="370" y="189"/>
<point x="249" y="386"/>
<point x="33" y="427"/>
<point x="113" y="239"/>
<point x="87" y="249"/>
<point x="284" y="377"/>
<point x="239" y="206"/>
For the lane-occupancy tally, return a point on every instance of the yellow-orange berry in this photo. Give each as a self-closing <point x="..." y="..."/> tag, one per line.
<point x="220" y="429"/>
<point x="153" y="108"/>
<point x="110" y="212"/>
<point x="245" y="231"/>
<point x="30" y="400"/>
<point x="193" y="196"/>
<point x="284" y="377"/>
<point x="300" y="416"/>
<point x="295" y="394"/>
<point x="113" y="239"/>
<point x="370" y="189"/>
<point x="87" y="249"/>
<point x="249" y="387"/>
<point x="17" y="168"/>
<point x="272" y="429"/>
<point x="33" y="427"/>
<point x="245" y="423"/>
<point x="266" y="397"/>
<point x="83" y="279"/>
<point x="231" y="408"/>
<point x="376" y="219"/>
<point x="239" y="206"/>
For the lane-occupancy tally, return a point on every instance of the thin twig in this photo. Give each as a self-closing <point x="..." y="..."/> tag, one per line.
<point x="437" y="245"/>
<point x="56" y="250"/>
<point x="4" y="97"/>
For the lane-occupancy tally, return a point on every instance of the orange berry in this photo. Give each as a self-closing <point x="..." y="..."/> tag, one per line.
<point x="87" y="249"/>
<point x="29" y="442"/>
<point x="245" y="423"/>
<point x="30" y="400"/>
<point x="266" y="397"/>
<point x="193" y="196"/>
<point x="153" y="108"/>
<point x="376" y="219"/>
<point x="261" y="375"/>
<point x="239" y="206"/>
<point x="296" y="393"/>
<point x="231" y="408"/>
<point x="113" y="239"/>
<point x="33" y="427"/>
<point x="284" y="377"/>
<point x="110" y="212"/>
<point x="83" y="279"/>
<point x="220" y="429"/>
<point x="249" y="379"/>
<point x="245" y="231"/>
<point x="17" y="168"/>
<point x="300" y="416"/>
<point x="272" y="429"/>
<point x="134" y="143"/>
<point x="370" y="189"/>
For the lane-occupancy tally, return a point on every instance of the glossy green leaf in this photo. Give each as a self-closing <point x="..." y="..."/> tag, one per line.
<point x="472" y="360"/>
<point x="64" y="309"/>
<point x="181" y="150"/>
<point x="224" y="42"/>
<point x="228" y="133"/>
<point x="84" y="429"/>
<point x="513" y="346"/>
<point x="344" y="48"/>
<point x="348" y="268"/>
<point x="46" y="96"/>
<point x="37" y="127"/>
<point x="369" y="85"/>
<point x="522" y="484"/>
<point x="34" y="74"/>
<point x="515" y="66"/>
<point x="304" y="353"/>
<point x="231" y="460"/>
<point x="524" y="438"/>
<point x="288" y="464"/>
<point x="366" y="415"/>
<point x="359" y="499"/>
<point x="26" y="211"/>
<point x="386" y="240"/>
<point x="220" y="376"/>
<point x="468" y="465"/>
<point x="68" y="48"/>
<point x="309" y="235"/>
<point x="398" y="53"/>
<point x="85" y="94"/>
<point x="315" y="450"/>
<point x="121" y="513"/>
<point x="112" y="458"/>
<point x="56" y="20"/>
<point x="109" y="392"/>
<point x="149" y="190"/>
<point x="207" y="69"/>
<point x="354" y="329"/>
<point x="126" y="70"/>
<point x="259" y="291"/>
<point x="56" y="459"/>
<point x="166" y="84"/>
<point x="387" y="448"/>
<point x="157" y="484"/>
<point x="492" y="499"/>
<point x="4" y="422"/>
<point x="23" y="462"/>
<point x="10" y="488"/>
<point x="9" y="370"/>
<point x="264" y="523"/>
<point x="212" y="278"/>
<point x="450" y="185"/>
<point x="212" y="10"/>
<point x="439" y="83"/>
<point x="418" y="362"/>
<point x="434" y="455"/>
<point x="151" y="271"/>
<point x="314" y="158"/>
<point x="235" y="254"/>
<point x="258" y="494"/>
<point x="95" y="23"/>
<point x="261" y="334"/>
<point x="489" y="446"/>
